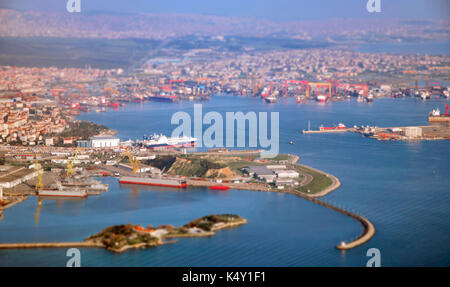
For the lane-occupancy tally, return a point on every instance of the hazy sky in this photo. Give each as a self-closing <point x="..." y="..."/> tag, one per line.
<point x="271" y="9"/>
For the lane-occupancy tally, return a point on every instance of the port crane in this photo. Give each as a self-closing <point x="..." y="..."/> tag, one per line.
<point x="38" y="185"/>
<point x="334" y="85"/>
<point x="70" y="164"/>
<point x="446" y="107"/>
<point x="175" y="80"/>
<point x="133" y="161"/>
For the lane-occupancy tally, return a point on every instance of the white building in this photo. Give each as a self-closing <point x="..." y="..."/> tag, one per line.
<point x="413" y="132"/>
<point x="11" y="176"/>
<point x="104" y="142"/>
<point x="287" y="173"/>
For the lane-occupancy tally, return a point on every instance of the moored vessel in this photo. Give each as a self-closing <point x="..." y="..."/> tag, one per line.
<point x="219" y="187"/>
<point x="156" y="181"/>
<point x="339" y="127"/>
<point x="436" y="116"/>
<point x="321" y="98"/>
<point x="271" y="99"/>
<point x="163" y="98"/>
<point x="62" y="193"/>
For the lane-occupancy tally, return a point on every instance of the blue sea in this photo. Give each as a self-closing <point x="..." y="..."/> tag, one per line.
<point x="403" y="188"/>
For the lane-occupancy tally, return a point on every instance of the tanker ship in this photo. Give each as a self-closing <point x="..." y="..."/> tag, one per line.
<point x="156" y="181"/>
<point x="341" y="126"/>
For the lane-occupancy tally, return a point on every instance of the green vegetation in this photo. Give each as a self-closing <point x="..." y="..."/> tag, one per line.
<point x="207" y="222"/>
<point x="196" y="166"/>
<point x="320" y="181"/>
<point x="161" y="162"/>
<point x="83" y="130"/>
<point x="119" y="236"/>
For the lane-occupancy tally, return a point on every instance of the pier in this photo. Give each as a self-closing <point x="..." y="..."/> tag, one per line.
<point x="368" y="227"/>
<point x="49" y="245"/>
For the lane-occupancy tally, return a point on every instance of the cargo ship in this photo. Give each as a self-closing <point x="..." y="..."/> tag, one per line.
<point x="62" y="193"/>
<point x="436" y="116"/>
<point x="219" y="187"/>
<point x="339" y="127"/>
<point x="321" y="98"/>
<point x="161" y="140"/>
<point x="271" y="99"/>
<point x="156" y="181"/>
<point x="163" y="98"/>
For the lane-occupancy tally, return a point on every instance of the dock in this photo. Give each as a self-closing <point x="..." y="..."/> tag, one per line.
<point x="49" y="245"/>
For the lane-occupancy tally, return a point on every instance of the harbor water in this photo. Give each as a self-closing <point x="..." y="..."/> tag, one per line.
<point x="401" y="187"/>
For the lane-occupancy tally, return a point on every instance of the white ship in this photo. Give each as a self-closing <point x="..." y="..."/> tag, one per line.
<point x="321" y="98"/>
<point x="162" y="141"/>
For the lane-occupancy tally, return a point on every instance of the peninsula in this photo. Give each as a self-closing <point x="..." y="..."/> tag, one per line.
<point x="119" y="238"/>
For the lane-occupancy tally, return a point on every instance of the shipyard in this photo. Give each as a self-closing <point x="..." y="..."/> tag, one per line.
<point x="215" y="134"/>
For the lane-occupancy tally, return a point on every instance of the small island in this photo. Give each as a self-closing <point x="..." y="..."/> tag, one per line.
<point x="119" y="238"/>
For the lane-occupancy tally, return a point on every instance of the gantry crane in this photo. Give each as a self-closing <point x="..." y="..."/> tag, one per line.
<point x="285" y="85"/>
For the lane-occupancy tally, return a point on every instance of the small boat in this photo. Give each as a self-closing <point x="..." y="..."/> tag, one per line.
<point x="291" y="142"/>
<point x="219" y="187"/>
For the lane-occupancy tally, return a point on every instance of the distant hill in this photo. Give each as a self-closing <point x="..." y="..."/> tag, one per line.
<point x="108" y="25"/>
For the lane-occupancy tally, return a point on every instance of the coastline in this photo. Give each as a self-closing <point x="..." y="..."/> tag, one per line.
<point x="367" y="234"/>
<point x="368" y="228"/>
